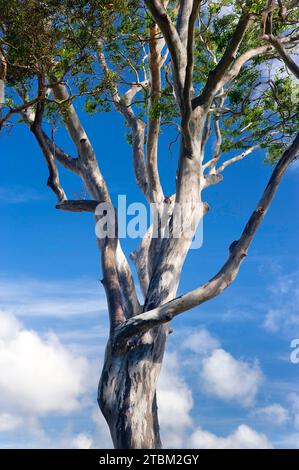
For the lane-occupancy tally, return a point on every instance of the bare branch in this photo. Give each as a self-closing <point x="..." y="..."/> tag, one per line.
<point x="28" y="114"/>
<point x="181" y="52"/>
<point x="53" y="180"/>
<point x="142" y="261"/>
<point x="17" y="109"/>
<point x="3" y="71"/>
<point x="237" y="158"/>
<point x="155" y="189"/>
<point x="123" y="105"/>
<point x="226" y="275"/>
<point x="80" y="205"/>
<point x="183" y="20"/>
<point x="250" y="54"/>
<point x="70" y="116"/>
<point x="215" y="77"/>
<point x="266" y="24"/>
<point x="61" y="156"/>
<point x="178" y="57"/>
<point x="216" y="152"/>
<point x="87" y="163"/>
<point x="188" y="87"/>
<point x="130" y="300"/>
<point x="87" y="168"/>
<point x="278" y="45"/>
<point x="111" y="282"/>
<point x="267" y="33"/>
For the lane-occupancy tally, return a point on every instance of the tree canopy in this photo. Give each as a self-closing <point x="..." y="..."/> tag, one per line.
<point x="101" y="48"/>
<point x="222" y="74"/>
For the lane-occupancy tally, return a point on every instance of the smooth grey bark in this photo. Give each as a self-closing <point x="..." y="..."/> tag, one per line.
<point x="138" y="335"/>
<point x="127" y="390"/>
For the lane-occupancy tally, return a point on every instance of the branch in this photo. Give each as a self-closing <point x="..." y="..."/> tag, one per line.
<point x="267" y="34"/>
<point x="266" y="24"/>
<point x="87" y="163"/>
<point x="80" y="205"/>
<point x="173" y="41"/>
<point x="3" y="71"/>
<point x="123" y="105"/>
<point x="237" y="158"/>
<point x="181" y="52"/>
<point x="28" y="114"/>
<point x="17" y="109"/>
<point x="86" y="166"/>
<point x="111" y="282"/>
<point x="250" y="54"/>
<point x="142" y="261"/>
<point x="155" y="188"/>
<point x="70" y="116"/>
<point x="61" y="156"/>
<point x="278" y="45"/>
<point x="226" y="275"/>
<point x="216" y="75"/>
<point x="183" y="20"/>
<point x="129" y="297"/>
<point x="188" y="87"/>
<point x="216" y="152"/>
<point x="53" y="180"/>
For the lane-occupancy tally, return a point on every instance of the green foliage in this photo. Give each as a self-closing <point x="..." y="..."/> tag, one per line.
<point x="63" y="40"/>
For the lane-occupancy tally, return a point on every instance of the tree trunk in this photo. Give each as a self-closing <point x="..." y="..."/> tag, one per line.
<point x="127" y="391"/>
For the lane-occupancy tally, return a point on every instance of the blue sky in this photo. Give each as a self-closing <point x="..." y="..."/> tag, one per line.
<point x="227" y="379"/>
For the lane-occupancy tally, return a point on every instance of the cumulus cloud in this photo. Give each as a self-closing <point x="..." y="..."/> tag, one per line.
<point x="9" y="422"/>
<point x="174" y="403"/>
<point x="283" y="313"/>
<point x="42" y="376"/>
<point x="82" y="441"/>
<point x="225" y="377"/>
<point x="244" y="437"/>
<point x="294" y="401"/>
<point x="200" y="342"/>
<point x="38" y="374"/>
<point x="275" y="414"/>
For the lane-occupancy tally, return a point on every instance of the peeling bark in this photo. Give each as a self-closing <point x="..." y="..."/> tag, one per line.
<point x="138" y="334"/>
<point x="127" y="391"/>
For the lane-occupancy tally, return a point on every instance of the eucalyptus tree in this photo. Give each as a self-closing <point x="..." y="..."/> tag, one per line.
<point x="223" y="74"/>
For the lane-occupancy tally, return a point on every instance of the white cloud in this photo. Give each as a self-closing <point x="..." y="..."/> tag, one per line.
<point x="275" y="414"/>
<point x="201" y="342"/>
<point x="230" y="379"/>
<point x="9" y="422"/>
<point x="174" y="403"/>
<point x="101" y="436"/>
<point x="283" y="314"/>
<point x="20" y="195"/>
<point x="41" y="376"/>
<point x="294" y="401"/>
<point x="82" y="441"/>
<point x="243" y="437"/>
<point x="38" y="374"/>
<point x="278" y="319"/>
<point x="32" y="297"/>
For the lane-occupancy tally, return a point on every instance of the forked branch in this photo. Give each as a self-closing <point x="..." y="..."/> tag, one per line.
<point x="226" y="275"/>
